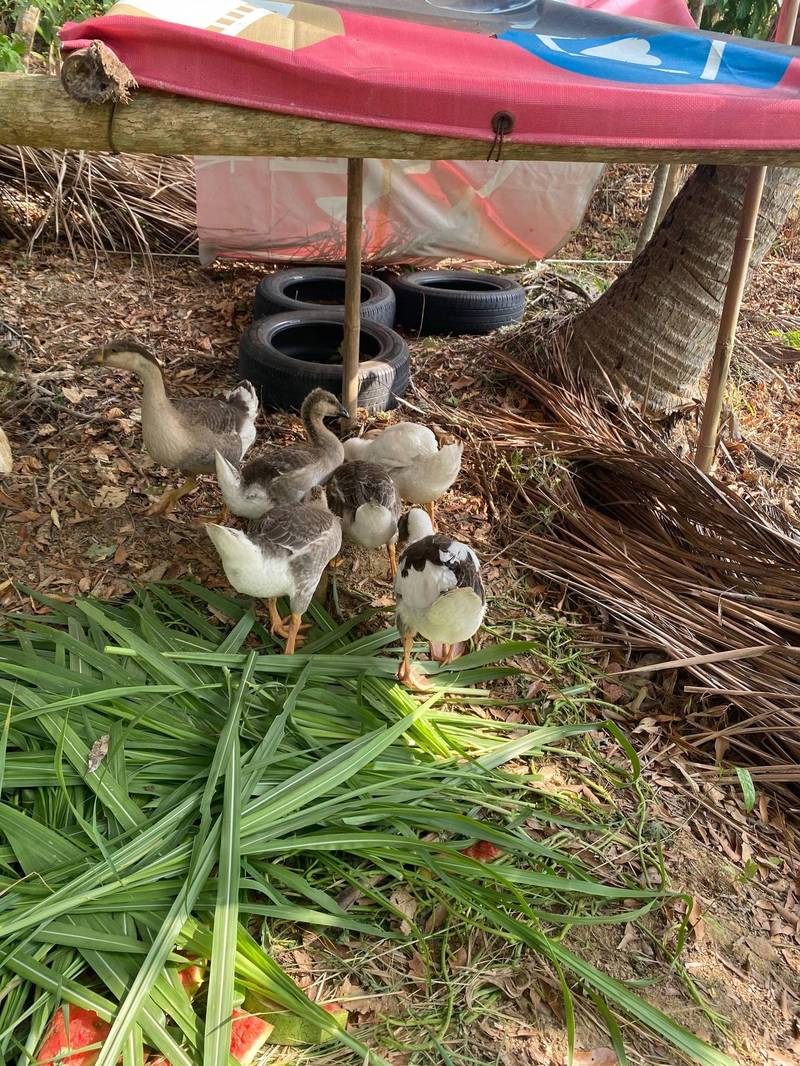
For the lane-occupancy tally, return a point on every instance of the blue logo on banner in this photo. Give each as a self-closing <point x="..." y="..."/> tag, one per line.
<point x="660" y="59"/>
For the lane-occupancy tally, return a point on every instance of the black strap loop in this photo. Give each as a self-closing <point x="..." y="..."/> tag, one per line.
<point x="502" y="125"/>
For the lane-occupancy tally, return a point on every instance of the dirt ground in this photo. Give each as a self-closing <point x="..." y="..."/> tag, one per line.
<point x="72" y="522"/>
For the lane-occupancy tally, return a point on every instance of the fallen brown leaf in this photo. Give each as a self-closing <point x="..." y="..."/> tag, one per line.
<point x="599" y="1056"/>
<point x="407" y="905"/>
<point x="110" y="496"/>
<point x="72" y="394"/>
<point x="696" y="920"/>
<point x="629" y="937"/>
<point x="155" y="573"/>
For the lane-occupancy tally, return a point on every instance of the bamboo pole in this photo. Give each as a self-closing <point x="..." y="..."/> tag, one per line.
<point x="36" y="112"/>
<point x="653" y="207"/>
<point x="675" y="178"/>
<point x="352" y="289"/>
<point x="6" y="460"/>
<point x="737" y="279"/>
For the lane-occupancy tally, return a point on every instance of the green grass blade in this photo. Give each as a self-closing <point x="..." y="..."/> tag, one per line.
<point x="37" y="847"/>
<point x="4" y="747"/>
<point x="323" y="773"/>
<point x="74" y="992"/>
<point x="162" y="945"/>
<point x="226" y="913"/>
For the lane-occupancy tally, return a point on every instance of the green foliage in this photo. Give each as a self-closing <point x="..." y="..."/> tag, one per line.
<point x="11" y="52"/>
<point x="54" y="14"/>
<point x="236" y="786"/>
<point x="748" y="18"/>
<point x="748" y="787"/>
<point x="791" y="338"/>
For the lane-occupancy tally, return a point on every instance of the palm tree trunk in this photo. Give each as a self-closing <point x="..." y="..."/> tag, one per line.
<point x="653" y="331"/>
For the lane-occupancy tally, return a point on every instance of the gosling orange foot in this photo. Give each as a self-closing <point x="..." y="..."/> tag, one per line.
<point x="455" y="651"/>
<point x="295" y="639"/>
<point x="282" y="627"/>
<point x="412" y="680"/>
<point x="220" y="519"/>
<point x="164" y="504"/>
<point x="407" y="675"/>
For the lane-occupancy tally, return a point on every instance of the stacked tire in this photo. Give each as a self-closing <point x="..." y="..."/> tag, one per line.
<point x="458" y="302"/>
<point x="315" y="288"/>
<point x="287" y="355"/>
<point x="295" y="342"/>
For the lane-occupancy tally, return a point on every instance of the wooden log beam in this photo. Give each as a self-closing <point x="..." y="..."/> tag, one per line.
<point x="35" y="111"/>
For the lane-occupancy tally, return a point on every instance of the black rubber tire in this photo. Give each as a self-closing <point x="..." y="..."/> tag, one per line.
<point x="281" y="356"/>
<point x="321" y="289"/>
<point x="456" y="302"/>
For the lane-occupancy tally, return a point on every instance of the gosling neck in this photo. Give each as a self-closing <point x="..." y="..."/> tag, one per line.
<point x="318" y="433"/>
<point x="152" y="379"/>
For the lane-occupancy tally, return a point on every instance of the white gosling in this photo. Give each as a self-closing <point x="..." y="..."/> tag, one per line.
<point x="422" y="471"/>
<point x="439" y="593"/>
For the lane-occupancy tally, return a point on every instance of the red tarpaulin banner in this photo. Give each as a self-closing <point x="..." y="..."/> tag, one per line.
<point x="567" y="75"/>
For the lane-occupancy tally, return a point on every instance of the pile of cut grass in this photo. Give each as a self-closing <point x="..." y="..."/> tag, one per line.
<point x="243" y="789"/>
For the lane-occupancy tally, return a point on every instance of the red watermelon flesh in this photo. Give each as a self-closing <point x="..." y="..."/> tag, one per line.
<point x="191" y="978"/>
<point x="483" y="851"/>
<point x="248" y="1035"/>
<point x="85" y="1029"/>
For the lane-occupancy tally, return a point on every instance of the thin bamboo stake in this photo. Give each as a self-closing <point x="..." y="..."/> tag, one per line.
<point x="352" y="293"/>
<point x="653" y="207"/>
<point x="6" y="460"/>
<point x="675" y="174"/>
<point x="737" y="279"/>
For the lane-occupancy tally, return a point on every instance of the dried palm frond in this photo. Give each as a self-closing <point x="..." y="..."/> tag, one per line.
<point x="679" y="561"/>
<point x="102" y="202"/>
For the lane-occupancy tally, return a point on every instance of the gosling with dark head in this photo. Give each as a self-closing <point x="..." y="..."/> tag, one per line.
<point x="283" y="554"/>
<point x="284" y="475"/>
<point x="183" y="433"/>
<point x="439" y="594"/>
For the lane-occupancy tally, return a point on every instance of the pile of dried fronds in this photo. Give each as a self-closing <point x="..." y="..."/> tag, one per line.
<point x="680" y="562"/>
<point x="102" y="202"/>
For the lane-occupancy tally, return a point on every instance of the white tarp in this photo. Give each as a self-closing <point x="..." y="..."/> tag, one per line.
<point x="421" y="212"/>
